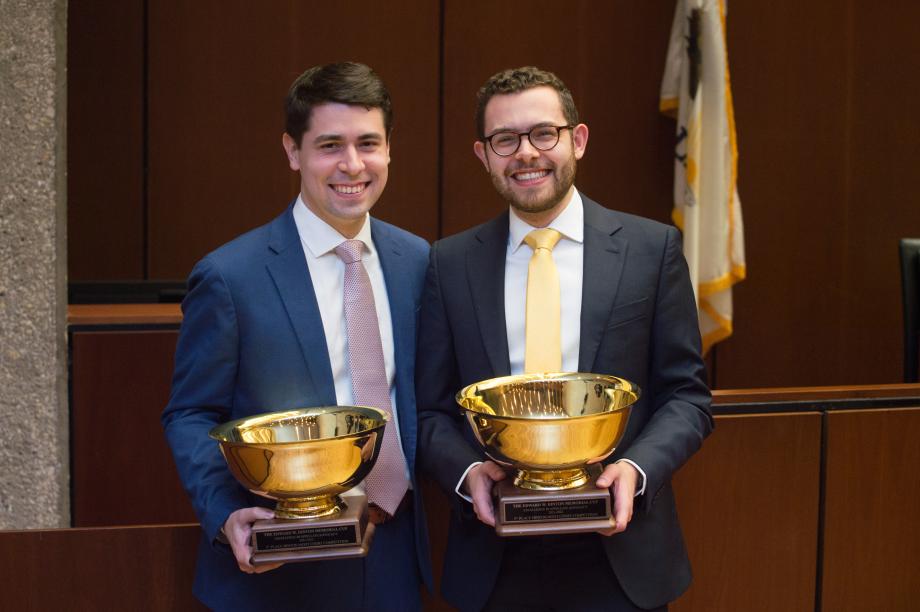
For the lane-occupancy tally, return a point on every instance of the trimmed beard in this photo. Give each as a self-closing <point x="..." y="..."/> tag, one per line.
<point x="563" y="179"/>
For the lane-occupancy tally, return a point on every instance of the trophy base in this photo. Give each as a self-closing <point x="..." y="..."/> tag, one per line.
<point x="345" y="536"/>
<point x="522" y="512"/>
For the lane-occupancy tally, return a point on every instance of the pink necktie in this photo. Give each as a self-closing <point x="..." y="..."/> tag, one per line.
<point x="386" y="485"/>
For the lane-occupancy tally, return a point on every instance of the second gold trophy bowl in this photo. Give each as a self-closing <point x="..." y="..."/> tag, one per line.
<point x="549" y="426"/>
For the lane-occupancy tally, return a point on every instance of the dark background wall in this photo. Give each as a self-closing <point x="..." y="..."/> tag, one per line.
<point x="175" y="120"/>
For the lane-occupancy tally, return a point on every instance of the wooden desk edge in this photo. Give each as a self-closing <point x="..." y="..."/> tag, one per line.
<point x="813" y="394"/>
<point x="147" y="314"/>
<point x="123" y="314"/>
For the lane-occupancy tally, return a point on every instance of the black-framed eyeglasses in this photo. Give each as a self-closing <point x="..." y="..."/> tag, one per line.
<point x="542" y="137"/>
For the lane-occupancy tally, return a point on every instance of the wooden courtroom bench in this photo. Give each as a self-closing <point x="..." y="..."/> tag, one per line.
<point x="802" y="499"/>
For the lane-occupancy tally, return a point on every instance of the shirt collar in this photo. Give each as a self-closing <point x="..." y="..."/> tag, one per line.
<point x="570" y="223"/>
<point x="319" y="237"/>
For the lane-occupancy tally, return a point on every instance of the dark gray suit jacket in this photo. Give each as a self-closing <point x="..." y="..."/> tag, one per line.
<point x="638" y="321"/>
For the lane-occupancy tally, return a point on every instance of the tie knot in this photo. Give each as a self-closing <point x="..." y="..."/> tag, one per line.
<point x="350" y="251"/>
<point x="542" y="239"/>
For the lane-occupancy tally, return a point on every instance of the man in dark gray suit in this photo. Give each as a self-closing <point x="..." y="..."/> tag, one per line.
<point x="627" y="308"/>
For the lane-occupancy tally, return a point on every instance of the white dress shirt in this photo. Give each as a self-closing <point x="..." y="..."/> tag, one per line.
<point x="327" y="271"/>
<point x="568" y="256"/>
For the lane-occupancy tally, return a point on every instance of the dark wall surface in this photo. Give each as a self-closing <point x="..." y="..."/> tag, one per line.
<point x="105" y="141"/>
<point x="218" y="74"/>
<point x="175" y="122"/>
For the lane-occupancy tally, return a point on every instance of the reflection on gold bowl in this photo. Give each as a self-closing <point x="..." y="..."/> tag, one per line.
<point x="303" y="458"/>
<point x="549" y="426"/>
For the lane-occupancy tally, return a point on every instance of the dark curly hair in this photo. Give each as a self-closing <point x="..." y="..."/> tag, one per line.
<point x="515" y="80"/>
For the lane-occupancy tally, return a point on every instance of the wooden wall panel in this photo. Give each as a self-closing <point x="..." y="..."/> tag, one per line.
<point x="128" y="568"/>
<point x="218" y="75"/>
<point x="610" y="54"/>
<point x="105" y="100"/>
<point x="789" y="79"/>
<point x="884" y="205"/>
<point x="219" y="72"/>
<point x="748" y="504"/>
<point x="122" y="469"/>
<point x="826" y="140"/>
<point x="825" y="174"/>
<point x="872" y="538"/>
<point x="748" y="500"/>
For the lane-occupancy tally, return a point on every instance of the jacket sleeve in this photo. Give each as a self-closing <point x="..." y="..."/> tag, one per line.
<point x="206" y="365"/>
<point x="680" y="402"/>
<point x="444" y="453"/>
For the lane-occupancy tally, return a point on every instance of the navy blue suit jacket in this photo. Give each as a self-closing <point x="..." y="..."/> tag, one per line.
<point x="252" y="341"/>
<point x="638" y="321"/>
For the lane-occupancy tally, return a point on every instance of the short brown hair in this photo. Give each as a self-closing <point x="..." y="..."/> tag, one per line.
<point x="515" y="80"/>
<point x="344" y="83"/>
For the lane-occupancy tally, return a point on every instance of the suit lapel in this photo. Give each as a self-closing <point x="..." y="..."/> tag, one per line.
<point x="485" y="268"/>
<point x="604" y="256"/>
<point x="402" y="316"/>
<point x="288" y="269"/>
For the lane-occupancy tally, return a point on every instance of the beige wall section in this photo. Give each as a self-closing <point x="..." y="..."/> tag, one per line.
<point x="34" y="468"/>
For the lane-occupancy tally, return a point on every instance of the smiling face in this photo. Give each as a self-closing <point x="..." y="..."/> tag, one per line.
<point x="342" y="160"/>
<point x="537" y="184"/>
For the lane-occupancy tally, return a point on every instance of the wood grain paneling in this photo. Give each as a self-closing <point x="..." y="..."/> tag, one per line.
<point x="733" y="399"/>
<point x="883" y="205"/>
<point x="872" y="538"/>
<point x="124" y="314"/>
<point x="122" y="470"/>
<point x="611" y="56"/>
<point x="219" y="72"/>
<point x="84" y="570"/>
<point x="825" y="178"/>
<point x="105" y="146"/>
<point x="826" y="143"/>
<point x="748" y="504"/>
<point x="789" y="79"/>
<point x="748" y="500"/>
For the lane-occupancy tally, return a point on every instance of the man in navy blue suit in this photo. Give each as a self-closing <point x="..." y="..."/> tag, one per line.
<point x="264" y="329"/>
<point x="626" y="308"/>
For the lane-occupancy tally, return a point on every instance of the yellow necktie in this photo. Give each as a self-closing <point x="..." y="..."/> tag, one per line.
<point x="543" y="335"/>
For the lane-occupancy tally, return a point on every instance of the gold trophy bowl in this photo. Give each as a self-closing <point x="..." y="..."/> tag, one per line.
<point x="304" y="459"/>
<point x="549" y="426"/>
<point x="553" y="429"/>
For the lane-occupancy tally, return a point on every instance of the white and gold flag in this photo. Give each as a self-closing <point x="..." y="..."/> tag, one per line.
<point x="696" y="90"/>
